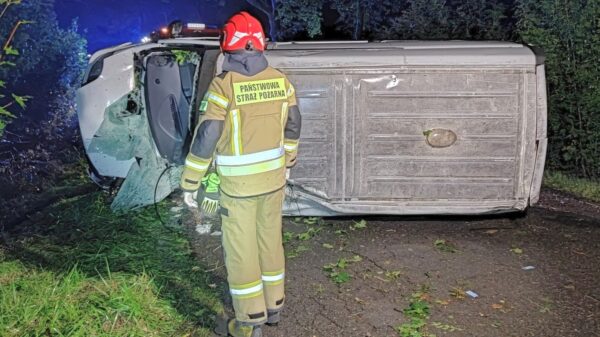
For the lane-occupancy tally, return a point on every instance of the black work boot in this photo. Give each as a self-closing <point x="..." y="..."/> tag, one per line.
<point x="273" y="317"/>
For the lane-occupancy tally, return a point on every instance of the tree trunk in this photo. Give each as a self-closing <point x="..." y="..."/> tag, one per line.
<point x="359" y="19"/>
<point x="267" y="7"/>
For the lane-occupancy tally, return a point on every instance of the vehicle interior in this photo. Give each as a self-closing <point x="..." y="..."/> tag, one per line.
<point x="174" y="82"/>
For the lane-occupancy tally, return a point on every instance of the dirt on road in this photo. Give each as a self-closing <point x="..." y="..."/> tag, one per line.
<point x="535" y="275"/>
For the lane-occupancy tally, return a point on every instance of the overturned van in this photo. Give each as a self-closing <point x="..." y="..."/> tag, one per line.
<point x="391" y="127"/>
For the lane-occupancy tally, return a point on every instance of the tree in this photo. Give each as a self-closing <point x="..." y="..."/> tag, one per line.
<point x="479" y="20"/>
<point x="421" y="19"/>
<point x="51" y="62"/>
<point x="296" y="17"/>
<point x="360" y="17"/>
<point x="268" y="7"/>
<point x="8" y="98"/>
<point x="569" y="33"/>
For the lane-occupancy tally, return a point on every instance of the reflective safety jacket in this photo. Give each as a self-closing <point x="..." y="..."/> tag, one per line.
<point x="250" y="128"/>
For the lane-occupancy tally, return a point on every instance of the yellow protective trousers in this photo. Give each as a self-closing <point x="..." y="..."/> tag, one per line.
<point x="252" y="241"/>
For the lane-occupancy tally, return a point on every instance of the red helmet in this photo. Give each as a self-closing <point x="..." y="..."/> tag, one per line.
<point x="242" y="31"/>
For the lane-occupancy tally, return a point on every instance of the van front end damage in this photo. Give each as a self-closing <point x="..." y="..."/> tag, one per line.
<point x="124" y="139"/>
<point x="116" y="133"/>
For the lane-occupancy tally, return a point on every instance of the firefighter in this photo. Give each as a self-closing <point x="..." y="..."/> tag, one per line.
<point x="251" y="123"/>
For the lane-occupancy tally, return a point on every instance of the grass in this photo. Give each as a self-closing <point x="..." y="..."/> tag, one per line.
<point x="417" y="314"/>
<point x="445" y="246"/>
<point x="337" y="271"/>
<point x="88" y="272"/>
<point x="580" y="187"/>
<point x="35" y="303"/>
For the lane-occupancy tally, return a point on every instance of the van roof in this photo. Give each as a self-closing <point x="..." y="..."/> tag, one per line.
<point x="333" y="54"/>
<point x="393" y="44"/>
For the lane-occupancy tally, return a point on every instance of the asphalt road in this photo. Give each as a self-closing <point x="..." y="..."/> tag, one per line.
<point x="535" y="275"/>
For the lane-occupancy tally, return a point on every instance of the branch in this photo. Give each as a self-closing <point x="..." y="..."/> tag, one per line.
<point x="5" y="9"/>
<point x="11" y="37"/>
<point x="261" y="6"/>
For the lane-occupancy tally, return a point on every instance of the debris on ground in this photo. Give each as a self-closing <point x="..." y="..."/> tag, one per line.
<point x="471" y="294"/>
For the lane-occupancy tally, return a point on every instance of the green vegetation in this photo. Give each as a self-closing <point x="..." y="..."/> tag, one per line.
<point x="337" y="271"/>
<point x="362" y="224"/>
<point x="580" y="187"/>
<point x="445" y="246"/>
<point x="417" y="314"/>
<point x="74" y="304"/>
<point x="7" y="54"/>
<point x="569" y="34"/>
<point x="41" y="59"/>
<point x="84" y="271"/>
<point x="387" y="19"/>
<point x="293" y="241"/>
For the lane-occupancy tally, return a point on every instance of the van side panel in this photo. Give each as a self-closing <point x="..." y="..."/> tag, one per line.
<point x="367" y="148"/>
<point x="322" y="105"/>
<point x="364" y="137"/>
<point x="397" y="109"/>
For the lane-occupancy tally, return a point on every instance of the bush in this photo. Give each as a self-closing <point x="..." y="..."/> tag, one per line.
<point x="570" y="35"/>
<point x="50" y="61"/>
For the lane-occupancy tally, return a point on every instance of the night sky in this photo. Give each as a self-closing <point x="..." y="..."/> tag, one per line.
<point x="109" y="22"/>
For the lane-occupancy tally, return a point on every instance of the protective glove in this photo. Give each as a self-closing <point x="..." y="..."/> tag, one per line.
<point x="210" y="193"/>
<point x="189" y="198"/>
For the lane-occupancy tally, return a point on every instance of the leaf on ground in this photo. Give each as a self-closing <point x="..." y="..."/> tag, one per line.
<point x="445" y="246"/>
<point x="446" y="327"/>
<point x="341" y="277"/>
<point x="516" y="250"/>
<point x="328" y="246"/>
<point x="304" y="236"/>
<point x="311" y="220"/>
<point x="392" y="274"/>
<point x="458" y="293"/>
<point x="287" y="236"/>
<point x="359" y="225"/>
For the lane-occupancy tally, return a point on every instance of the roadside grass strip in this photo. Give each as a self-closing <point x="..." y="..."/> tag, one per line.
<point x="89" y="272"/>
<point x="585" y="188"/>
<point x="44" y="303"/>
